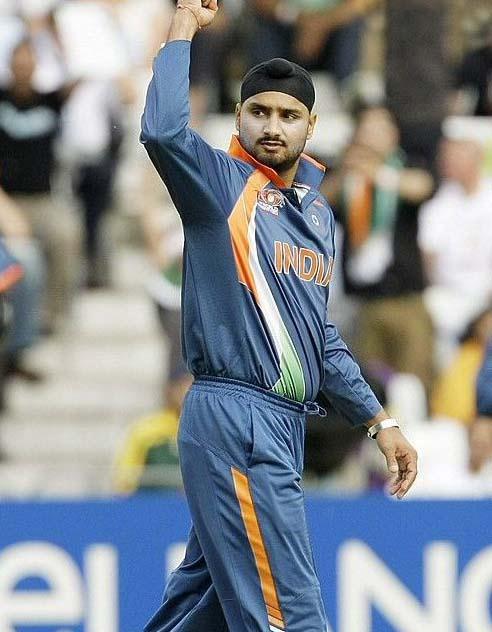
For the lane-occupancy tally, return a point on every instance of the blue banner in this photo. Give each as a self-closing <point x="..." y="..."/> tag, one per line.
<point x="384" y="566"/>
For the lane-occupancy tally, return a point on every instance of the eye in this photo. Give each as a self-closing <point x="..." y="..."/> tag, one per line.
<point x="291" y="116"/>
<point x="257" y="112"/>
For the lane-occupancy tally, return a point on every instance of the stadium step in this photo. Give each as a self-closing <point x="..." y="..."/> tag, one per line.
<point x="60" y="436"/>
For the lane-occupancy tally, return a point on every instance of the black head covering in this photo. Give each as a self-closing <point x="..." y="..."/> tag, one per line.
<point x="279" y="75"/>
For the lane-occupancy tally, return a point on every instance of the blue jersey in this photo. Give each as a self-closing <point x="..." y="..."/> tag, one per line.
<point x="258" y="258"/>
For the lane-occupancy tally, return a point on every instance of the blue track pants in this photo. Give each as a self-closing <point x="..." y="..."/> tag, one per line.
<point x="248" y="564"/>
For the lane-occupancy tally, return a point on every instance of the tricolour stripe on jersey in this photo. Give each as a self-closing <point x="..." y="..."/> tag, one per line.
<point x="239" y="221"/>
<point x="242" y="224"/>
<point x="251" y="524"/>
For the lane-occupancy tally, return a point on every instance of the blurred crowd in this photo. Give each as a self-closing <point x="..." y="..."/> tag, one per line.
<point x="411" y="190"/>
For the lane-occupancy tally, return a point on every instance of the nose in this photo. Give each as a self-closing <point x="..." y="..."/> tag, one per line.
<point x="272" y="126"/>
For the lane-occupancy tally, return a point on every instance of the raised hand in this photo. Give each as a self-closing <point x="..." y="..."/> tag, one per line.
<point x="203" y="10"/>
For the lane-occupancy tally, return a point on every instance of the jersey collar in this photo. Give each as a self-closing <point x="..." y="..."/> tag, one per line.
<point x="310" y="172"/>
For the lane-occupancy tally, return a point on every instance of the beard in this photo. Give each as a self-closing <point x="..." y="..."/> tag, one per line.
<point x="280" y="160"/>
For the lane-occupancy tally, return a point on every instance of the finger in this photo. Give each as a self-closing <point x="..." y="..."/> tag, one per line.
<point x="395" y="485"/>
<point x="392" y="463"/>
<point x="409" y="473"/>
<point x="399" y="486"/>
<point x="407" y="482"/>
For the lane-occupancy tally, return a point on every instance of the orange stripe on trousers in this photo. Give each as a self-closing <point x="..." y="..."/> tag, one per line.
<point x="250" y="519"/>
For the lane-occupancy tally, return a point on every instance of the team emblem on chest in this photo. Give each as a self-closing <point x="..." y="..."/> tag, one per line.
<point x="270" y="200"/>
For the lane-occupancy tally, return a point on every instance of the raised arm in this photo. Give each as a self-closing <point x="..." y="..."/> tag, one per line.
<point x="166" y="114"/>
<point x="196" y="175"/>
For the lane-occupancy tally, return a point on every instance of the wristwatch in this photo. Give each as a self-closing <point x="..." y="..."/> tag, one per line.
<point x="382" y="425"/>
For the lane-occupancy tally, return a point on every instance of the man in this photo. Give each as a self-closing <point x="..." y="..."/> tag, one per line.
<point x="474" y="77"/>
<point x="376" y="196"/>
<point x="455" y="237"/>
<point x="481" y="429"/>
<point x="148" y="459"/>
<point x="415" y="38"/>
<point x="11" y="273"/>
<point x="29" y="124"/>
<point x="484" y="386"/>
<point x="323" y="34"/>
<point x="26" y="297"/>
<point x="257" y="262"/>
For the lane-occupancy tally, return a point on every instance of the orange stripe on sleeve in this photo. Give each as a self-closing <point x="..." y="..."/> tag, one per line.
<point x="250" y="519"/>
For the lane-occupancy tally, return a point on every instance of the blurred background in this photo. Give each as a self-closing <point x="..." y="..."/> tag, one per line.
<point x="91" y="375"/>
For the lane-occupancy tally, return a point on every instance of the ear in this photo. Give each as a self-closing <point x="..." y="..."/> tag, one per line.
<point x="238" y="116"/>
<point x="313" y="119"/>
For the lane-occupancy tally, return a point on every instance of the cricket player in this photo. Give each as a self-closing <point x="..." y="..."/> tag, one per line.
<point x="258" y="258"/>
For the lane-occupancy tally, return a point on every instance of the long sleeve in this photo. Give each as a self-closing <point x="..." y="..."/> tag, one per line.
<point x="343" y="384"/>
<point x="484" y="386"/>
<point x="198" y="176"/>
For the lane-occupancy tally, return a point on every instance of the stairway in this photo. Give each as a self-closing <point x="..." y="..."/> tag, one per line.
<point x="58" y="438"/>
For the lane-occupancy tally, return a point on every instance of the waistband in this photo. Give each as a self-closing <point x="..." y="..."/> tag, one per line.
<point x="208" y="382"/>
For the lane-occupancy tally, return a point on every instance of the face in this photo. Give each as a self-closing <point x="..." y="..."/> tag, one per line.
<point x="274" y="127"/>
<point x="377" y="131"/>
<point x="23" y="64"/>
<point x="460" y="160"/>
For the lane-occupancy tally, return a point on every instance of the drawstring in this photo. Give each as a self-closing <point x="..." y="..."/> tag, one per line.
<point x="312" y="408"/>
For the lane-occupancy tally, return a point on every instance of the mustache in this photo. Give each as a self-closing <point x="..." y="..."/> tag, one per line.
<point x="274" y="139"/>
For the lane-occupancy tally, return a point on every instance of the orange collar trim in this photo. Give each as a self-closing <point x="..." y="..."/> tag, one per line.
<point x="314" y="162"/>
<point x="238" y="151"/>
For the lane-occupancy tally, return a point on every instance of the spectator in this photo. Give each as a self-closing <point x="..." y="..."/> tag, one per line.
<point x="149" y="457"/>
<point x="319" y="34"/>
<point x="481" y="431"/>
<point x="475" y="76"/>
<point x="454" y="394"/>
<point x="418" y="73"/>
<point x="376" y="198"/>
<point x="25" y="297"/>
<point x="11" y="272"/>
<point x="455" y="236"/>
<point x="91" y="130"/>
<point x="94" y="158"/>
<point x="12" y="29"/>
<point x="165" y="244"/>
<point x="484" y="384"/>
<point x="29" y="123"/>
